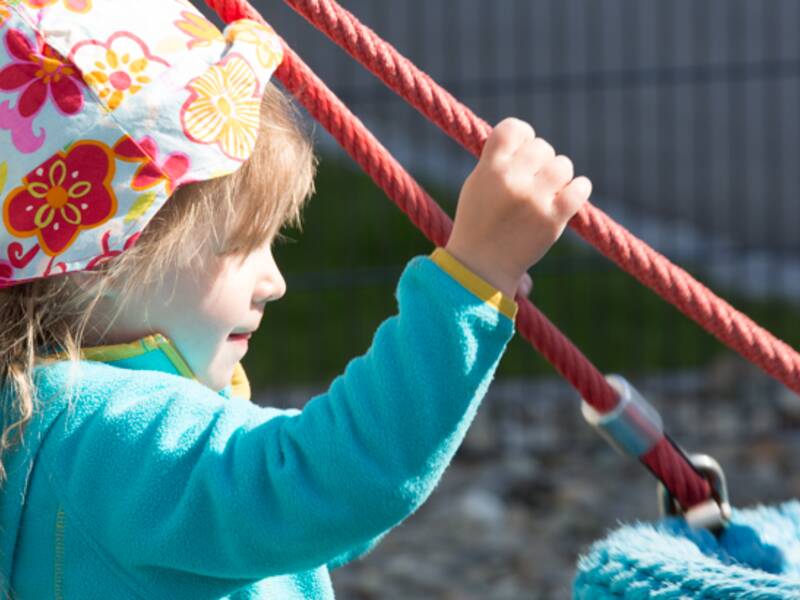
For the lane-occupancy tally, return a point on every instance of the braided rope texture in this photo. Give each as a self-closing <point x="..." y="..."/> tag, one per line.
<point x="756" y="558"/>
<point x="665" y="461"/>
<point x="634" y="256"/>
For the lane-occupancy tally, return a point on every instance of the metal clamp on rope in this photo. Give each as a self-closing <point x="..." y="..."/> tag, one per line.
<point x="714" y="513"/>
<point x="633" y="427"/>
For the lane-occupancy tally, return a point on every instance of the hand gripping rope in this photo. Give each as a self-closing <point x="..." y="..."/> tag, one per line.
<point x="688" y="482"/>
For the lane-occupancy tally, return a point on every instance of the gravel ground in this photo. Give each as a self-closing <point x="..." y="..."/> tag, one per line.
<point x="532" y="486"/>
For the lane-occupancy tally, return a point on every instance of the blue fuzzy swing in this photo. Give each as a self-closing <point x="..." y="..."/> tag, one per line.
<point x="710" y="551"/>
<point x="756" y="557"/>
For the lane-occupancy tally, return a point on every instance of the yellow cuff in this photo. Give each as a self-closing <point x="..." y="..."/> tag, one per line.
<point x="474" y="283"/>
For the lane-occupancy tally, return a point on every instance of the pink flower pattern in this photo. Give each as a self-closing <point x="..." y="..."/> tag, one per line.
<point x="118" y="68"/>
<point x="73" y="79"/>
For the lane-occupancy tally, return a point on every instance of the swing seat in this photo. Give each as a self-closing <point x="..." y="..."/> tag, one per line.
<point x="756" y="557"/>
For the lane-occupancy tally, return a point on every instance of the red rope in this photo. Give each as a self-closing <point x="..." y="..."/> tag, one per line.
<point x="648" y="266"/>
<point x="665" y="461"/>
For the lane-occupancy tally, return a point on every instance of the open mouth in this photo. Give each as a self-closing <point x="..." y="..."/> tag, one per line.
<point x="238" y="337"/>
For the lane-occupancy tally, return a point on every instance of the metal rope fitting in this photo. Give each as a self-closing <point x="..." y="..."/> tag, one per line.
<point x="633" y="427"/>
<point x="714" y="513"/>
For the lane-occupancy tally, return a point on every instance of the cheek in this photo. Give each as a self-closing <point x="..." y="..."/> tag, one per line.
<point x="223" y="309"/>
<point x="192" y="319"/>
<point x="214" y="300"/>
<point x="212" y="317"/>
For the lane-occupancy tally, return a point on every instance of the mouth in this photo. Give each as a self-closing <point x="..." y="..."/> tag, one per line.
<point x="239" y="337"/>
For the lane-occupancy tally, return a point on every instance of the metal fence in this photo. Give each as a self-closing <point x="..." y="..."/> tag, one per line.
<point x="684" y="114"/>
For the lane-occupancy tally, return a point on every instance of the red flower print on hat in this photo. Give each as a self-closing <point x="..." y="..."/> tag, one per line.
<point x="6" y="271"/>
<point x="117" y="68"/>
<point x="39" y="71"/>
<point x="223" y="108"/>
<point x="17" y="259"/>
<point x="102" y="259"/>
<point x="152" y="171"/>
<point x="80" y="6"/>
<point x="69" y="192"/>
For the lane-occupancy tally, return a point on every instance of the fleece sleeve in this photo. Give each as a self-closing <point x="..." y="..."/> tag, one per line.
<point x="172" y="476"/>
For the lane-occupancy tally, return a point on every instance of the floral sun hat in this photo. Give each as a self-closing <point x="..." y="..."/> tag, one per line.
<point x="105" y="108"/>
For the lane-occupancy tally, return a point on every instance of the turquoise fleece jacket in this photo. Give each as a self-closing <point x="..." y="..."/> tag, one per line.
<point x="137" y="481"/>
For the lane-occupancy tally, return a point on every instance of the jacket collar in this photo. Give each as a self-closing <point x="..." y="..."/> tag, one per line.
<point x="156" y="352"/>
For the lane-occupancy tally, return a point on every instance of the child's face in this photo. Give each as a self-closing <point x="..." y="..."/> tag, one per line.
<point x="207" y="306"/>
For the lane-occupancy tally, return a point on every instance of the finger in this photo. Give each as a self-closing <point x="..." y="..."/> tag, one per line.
<point x="505" y="139"/>
<point x="553" y="176"/>
<point x="525" y="285"/>
<point x="569" y="200"/>
<point x="532" y="156"/>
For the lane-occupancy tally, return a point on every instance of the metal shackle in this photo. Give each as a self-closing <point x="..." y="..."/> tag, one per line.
<point x="714" y="513"/>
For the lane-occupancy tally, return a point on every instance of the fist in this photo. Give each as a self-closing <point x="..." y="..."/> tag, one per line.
<point x="514" y="206"/>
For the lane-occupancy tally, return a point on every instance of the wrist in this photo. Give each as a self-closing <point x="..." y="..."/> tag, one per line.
<point x="488" y="270"/>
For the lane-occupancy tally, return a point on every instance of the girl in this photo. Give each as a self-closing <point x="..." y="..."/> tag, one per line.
<point x="146" y="166"/>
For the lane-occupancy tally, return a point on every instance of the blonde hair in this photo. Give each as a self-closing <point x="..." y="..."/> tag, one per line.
<point x="234" y="215"/>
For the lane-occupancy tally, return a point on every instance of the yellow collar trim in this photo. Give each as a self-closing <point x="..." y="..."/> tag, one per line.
<point x="148" y="343"/>
<point x="240" y="386"/>
<point x="112" y="352"/>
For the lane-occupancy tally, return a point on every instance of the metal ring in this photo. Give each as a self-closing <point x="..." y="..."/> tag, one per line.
<point x="713" y="514"/>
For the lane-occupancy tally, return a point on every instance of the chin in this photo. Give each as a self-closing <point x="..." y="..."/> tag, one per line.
<point x="224" y="379"/>
<point x="216" y="381"/>
<point x="218" y="387"/>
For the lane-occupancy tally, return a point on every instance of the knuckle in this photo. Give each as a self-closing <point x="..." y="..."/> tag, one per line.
<point x="580" y="189"/>
<point x="559" y="168"/>
<point x="513" y="127"/>
<point x="569" y="201"/>
<point x="545" y="147"/>
<point x="566" y="167"/>
<point x="524" y="127"/>
<point x="505" y="124"/>
<point x="495" y="167"/>
<point x="504" y="130"/>
<point x="491" y="159"/>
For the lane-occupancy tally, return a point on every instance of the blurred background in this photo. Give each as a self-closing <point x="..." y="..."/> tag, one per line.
<point x="685" y="116"/>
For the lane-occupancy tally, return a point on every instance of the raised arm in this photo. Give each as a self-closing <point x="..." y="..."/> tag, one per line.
<point x="168" y="475"/>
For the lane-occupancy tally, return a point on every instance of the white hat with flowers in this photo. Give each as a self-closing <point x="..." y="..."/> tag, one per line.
<point x="105" y="108"/>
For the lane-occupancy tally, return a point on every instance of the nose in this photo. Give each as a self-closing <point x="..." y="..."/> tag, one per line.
<point x="278" y="284"/>
<point x="271" y="284"/>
